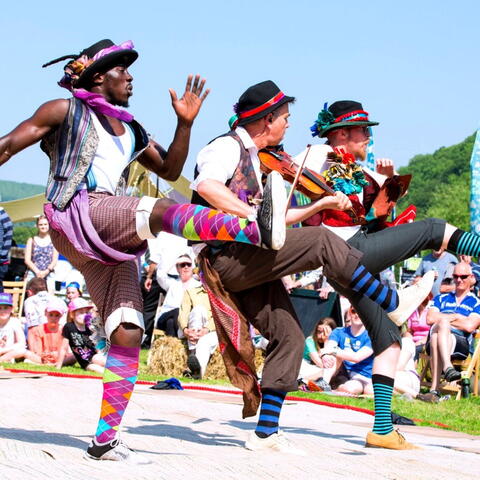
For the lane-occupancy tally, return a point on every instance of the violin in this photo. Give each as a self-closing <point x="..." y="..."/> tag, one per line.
<point x="310" y="183"/>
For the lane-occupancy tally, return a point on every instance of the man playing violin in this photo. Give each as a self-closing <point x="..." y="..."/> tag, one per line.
<point x="346" y="125"/>
<point x="245" y="283"/>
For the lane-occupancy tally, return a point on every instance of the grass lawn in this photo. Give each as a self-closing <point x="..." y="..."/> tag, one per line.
<point x="462" y="415"/>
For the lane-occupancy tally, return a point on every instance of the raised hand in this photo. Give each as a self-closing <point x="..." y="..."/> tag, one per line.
<point x="187" y="107"/>
<point x="385" y="167"/>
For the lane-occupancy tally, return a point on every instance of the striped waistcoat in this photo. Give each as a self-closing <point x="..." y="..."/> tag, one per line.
<point x="71" y="149"/>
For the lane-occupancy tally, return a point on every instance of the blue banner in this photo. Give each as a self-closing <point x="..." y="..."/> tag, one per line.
<point x="370" y="163"/>
<point x="475" y="186"/>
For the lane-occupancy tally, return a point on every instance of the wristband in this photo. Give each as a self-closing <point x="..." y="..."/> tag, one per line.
<point x="333" y="353"/>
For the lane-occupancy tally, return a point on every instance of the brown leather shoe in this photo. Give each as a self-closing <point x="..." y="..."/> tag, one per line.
<point x="394" y="441"/>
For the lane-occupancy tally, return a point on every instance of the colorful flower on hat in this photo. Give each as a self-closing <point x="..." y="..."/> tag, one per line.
<point x="324" y="119"/>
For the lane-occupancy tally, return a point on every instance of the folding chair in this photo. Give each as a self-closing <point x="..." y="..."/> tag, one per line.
<point x="470" y="366"/>
<point x="17" y="290"/>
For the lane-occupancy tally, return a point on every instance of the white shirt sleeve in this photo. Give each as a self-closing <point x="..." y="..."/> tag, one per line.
<point x="164" y="280"/>
<point x="217" y="161"/>
<point x="316" y="159"/>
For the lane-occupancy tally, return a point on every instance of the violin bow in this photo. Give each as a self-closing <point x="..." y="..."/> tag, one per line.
<point x="297" y="176"/>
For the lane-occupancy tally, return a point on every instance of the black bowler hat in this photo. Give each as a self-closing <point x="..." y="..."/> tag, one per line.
<point x="341" y="114"/>
<point x="258" y="101"/>
<point x="115" y="55"/>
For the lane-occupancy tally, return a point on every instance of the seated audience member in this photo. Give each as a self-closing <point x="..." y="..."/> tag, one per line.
<point x="197" y="326"/>
<point x="418" y="327"/>
<point x="407" y="379"/>
<point x="34" y="306"/>
<point x="175" y="288"/>
<point x="352" y="348"/>
<point x="12" y="338"/>
<point x="77" y="335"/>
<point x="475" y="270"/>
<point x="46" y="339"/>
<point x="311" y="369"/>
<point x="72" y="291"/>
<point x="453" y="318"/>
<point x="159" y="257"/>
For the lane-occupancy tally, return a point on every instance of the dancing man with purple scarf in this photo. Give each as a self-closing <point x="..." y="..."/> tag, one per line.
<point x="91" y="143"/>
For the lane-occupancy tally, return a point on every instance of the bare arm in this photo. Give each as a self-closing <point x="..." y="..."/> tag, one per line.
<point x="169" y="164"/>
<point x="49" y="116"/>
<point x="28" y="257"/>
<point x="339" y="201"/>
<point x="53" y="263"/>
<point x="355" y="357"/>
<point x="150" y="272"/>
<point x="315" y="358"/>
<point x="434" y="316"/>
<point x="62" y="353"/>
<point x="467" y="324"/>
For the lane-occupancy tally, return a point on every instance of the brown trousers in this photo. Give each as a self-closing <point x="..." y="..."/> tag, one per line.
<point x="254" y="274"/>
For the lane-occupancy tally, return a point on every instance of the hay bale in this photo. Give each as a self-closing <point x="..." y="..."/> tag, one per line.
<point x="168" y="357"/>
<point x="216" y="366"/>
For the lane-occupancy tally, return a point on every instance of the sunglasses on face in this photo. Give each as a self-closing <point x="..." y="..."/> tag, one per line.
<point x="183" y="265"/>
<point x="460" y="277"/>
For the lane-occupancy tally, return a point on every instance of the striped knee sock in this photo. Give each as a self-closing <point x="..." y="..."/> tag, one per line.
<point x="195" y="222"/>
<point x="272" y="401"/>
<point x="464" y="243"/>
<point x="383" y="391"/>
<point x="365" y="283"/>
<point x="118" y="382"/>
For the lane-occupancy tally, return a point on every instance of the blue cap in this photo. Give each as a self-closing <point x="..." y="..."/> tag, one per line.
<point x="6" y="299"/>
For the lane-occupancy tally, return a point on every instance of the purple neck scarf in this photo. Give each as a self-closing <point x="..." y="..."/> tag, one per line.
<point x="98" y="104"/>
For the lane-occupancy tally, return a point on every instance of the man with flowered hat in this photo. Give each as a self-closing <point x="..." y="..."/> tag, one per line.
<point x="245" y="284"/>
<point x="91" y="142"/>
<point x="346" y="125"/>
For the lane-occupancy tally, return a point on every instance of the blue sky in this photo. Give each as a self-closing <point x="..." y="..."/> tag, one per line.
<point x="413" y="64"/>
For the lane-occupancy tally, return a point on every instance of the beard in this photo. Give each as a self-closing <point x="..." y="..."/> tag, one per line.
<point x="124" y="104"/>
<point x="361" y="154"/>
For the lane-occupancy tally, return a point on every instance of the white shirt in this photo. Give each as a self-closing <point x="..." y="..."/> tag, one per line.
<point x="165" y="250"/>
<point x="111" y="157"/>
<point x="34" y="308"/>
<point x="219" y="159"/>
<point x="175" y="289"/>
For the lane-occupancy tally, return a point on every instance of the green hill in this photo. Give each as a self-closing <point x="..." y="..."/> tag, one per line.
<point x="15" y="190"/>
<point x="441" y="184"/>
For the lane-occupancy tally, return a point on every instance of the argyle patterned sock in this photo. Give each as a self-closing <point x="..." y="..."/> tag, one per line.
<point x="383" y="391"/>
<point x="118" y="381"/>
<point x="464" y="243"/>
<point x="195" y="222"/>
<point x="272" y="401"/>
<point x="365" y="283"/>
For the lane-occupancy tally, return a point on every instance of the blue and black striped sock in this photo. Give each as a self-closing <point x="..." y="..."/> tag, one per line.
<point x="464" y="243"/>
<point x="365" y="283"/>
<point x="272" y="401"/>
<point x="383" y="391"/>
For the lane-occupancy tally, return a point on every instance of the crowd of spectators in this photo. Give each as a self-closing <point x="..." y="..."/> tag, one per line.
<point x="55" y="326"/>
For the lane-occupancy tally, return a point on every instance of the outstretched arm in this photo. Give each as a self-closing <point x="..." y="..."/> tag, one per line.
<point x="169" y="164"/>
<point x="45" y="119"/>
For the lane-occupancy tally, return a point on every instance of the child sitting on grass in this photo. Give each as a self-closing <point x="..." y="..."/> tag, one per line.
<point x="77" y="335"/>
<point x="46" y="340"/>
<point x="12" y="338"/>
